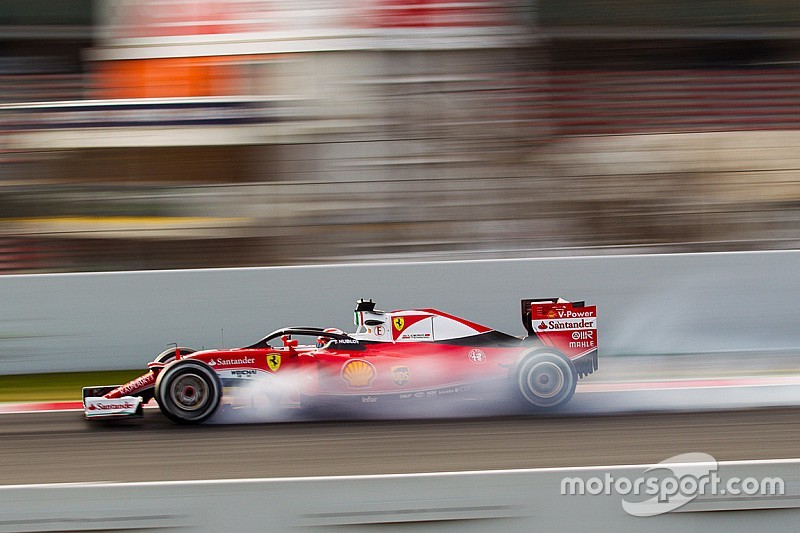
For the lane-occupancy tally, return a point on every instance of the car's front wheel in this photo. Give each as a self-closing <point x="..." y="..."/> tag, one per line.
<point x="188" y="391"/>
<point x="545" y="379"/>
<point x="169" y="354"/>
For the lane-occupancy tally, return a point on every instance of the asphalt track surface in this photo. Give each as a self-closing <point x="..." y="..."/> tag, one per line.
<point x="55" y="447"/>
<point x="618" y="416"/>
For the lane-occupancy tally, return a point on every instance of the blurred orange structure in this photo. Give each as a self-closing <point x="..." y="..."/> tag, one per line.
<point x="181" y="77"/>
<point x="327" y="131"/>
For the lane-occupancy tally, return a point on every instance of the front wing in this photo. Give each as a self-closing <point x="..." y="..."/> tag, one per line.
<point x="97" y="406"/>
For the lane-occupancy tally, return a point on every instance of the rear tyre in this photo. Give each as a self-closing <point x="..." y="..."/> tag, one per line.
<point x="545" y="379"/>
<point x="188" y="391"/>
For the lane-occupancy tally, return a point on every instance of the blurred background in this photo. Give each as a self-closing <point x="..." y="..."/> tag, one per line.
<point x="160" y="134"/>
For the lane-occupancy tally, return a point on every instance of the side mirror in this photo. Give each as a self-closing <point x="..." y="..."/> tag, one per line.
<point x="289" y="343"/>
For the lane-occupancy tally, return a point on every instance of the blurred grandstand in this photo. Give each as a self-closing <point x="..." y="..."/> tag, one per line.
<point x="157" y="134"/>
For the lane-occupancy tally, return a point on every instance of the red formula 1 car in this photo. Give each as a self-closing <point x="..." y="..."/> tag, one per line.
<point x="414" y="355"/>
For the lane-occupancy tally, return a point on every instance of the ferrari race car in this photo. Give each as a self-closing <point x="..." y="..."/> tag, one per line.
<point x="415" y="355"/>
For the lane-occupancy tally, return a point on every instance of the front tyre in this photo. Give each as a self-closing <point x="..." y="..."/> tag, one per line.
<point x="188" y="391"/>
<point x="169" y="355"/>
<point x="545" y="379"/>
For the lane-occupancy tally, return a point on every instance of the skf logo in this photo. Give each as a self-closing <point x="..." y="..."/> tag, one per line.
<point x="400" y="375"/>
<point x="358" y="374"/>
<point x="399" y="323"/>
<point x="274" y="361"/>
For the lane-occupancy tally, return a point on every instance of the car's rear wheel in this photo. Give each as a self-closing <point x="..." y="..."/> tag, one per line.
<point x="188" y="391"/>
<point x="545" y="379"/>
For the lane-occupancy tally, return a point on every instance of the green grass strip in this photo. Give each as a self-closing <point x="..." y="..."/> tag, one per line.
<point x="63" y="386"/>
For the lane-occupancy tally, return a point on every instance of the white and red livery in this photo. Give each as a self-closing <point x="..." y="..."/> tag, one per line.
<point x="411" y="355"/>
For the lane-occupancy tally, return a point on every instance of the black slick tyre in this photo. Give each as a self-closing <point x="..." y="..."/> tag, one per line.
<point x="188" y="391"/>
<point x="544" y="379"/>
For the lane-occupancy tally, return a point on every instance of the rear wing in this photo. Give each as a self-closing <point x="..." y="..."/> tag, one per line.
<point x="570" y="327"/>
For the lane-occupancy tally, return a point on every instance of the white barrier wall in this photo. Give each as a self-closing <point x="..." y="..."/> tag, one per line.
<point x="647" y="304"/>
<point x="517" y="500"/>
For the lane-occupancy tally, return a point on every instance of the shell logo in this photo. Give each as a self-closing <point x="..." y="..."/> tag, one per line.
<point x="358" y="373"/>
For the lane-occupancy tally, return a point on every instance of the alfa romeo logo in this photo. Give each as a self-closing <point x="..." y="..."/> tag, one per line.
<point x="477" y="356"/>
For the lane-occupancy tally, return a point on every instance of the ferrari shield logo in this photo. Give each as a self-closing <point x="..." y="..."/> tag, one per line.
<point x="274" y="361"/>
<point x="399" y="323"/>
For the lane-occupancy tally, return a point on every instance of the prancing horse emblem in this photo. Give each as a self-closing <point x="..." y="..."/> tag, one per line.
<point x="399" y="323"/>
<point x="274" y="361"/>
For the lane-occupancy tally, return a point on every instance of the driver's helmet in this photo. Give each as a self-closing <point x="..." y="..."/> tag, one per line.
<point x="322" y="340"/>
